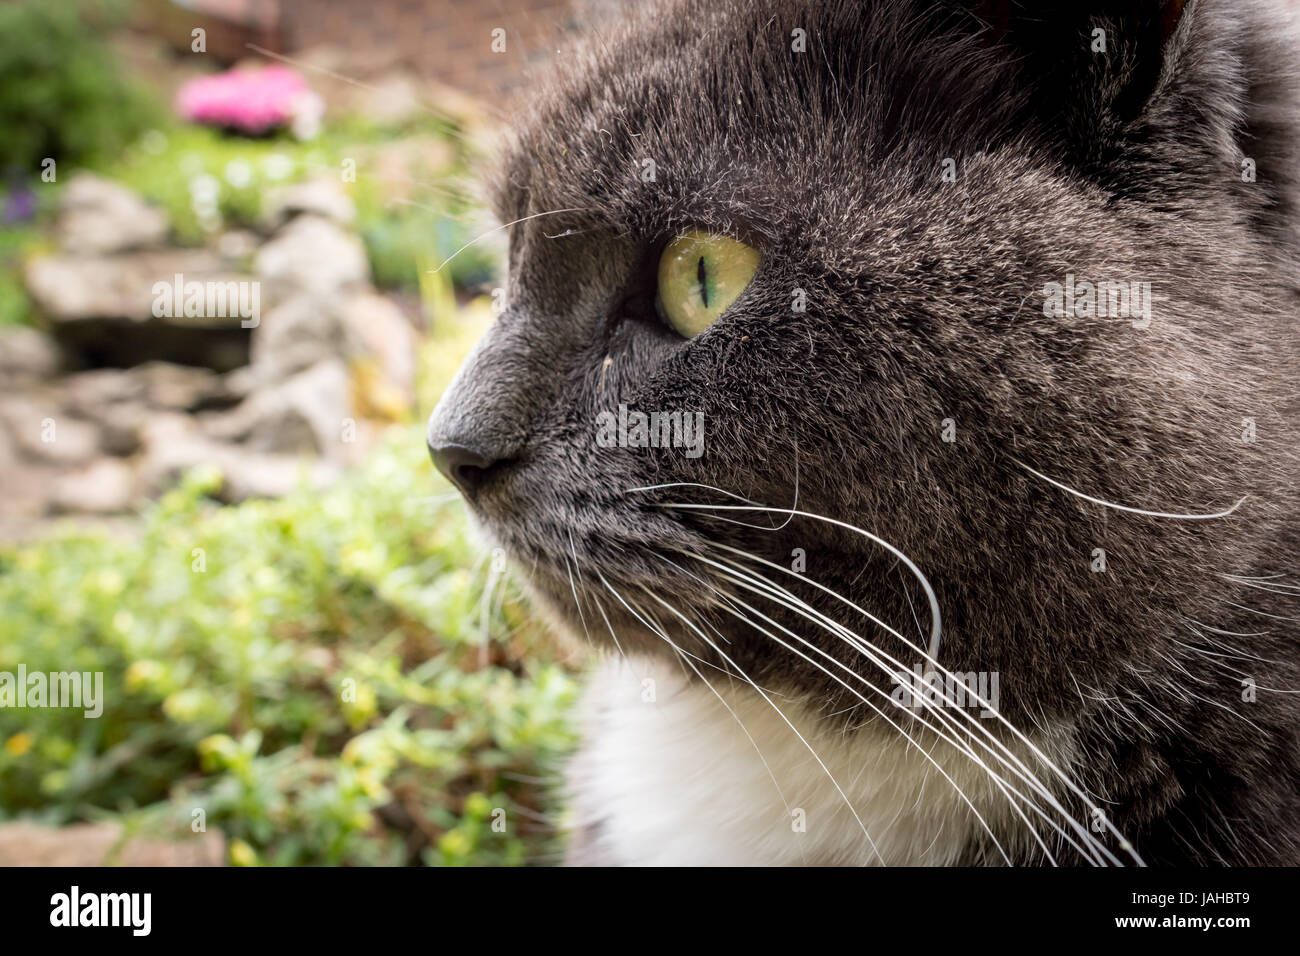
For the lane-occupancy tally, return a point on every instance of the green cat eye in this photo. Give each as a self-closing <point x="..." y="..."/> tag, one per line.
<point x="700" y="275"/>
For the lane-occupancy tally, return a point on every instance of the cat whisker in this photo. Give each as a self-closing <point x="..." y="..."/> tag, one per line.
<point x="487" y="606"/>
<point x="936" y="625"/>
<point x="687" y="658"/>
<point x="1236" y="652"/>
<point x="576" y="602"/>
<point x="946" y="718"/>
<point x="1272" y="587"/>
<point x="1019" y="767"/>
<point x="505" y="225"/>
<point x="601" y="608"/>
<point x="1217" y="661"/>
<point x="1137" y="511"/>
<point x="1275" y="617"/>
<point x="790" y="512"/>
<point x="961" y="794"/>
<point x="787" y="722"/>
<point x="1217" y="630"/>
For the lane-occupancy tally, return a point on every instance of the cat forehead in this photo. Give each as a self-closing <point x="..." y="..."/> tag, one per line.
<point x="735" y="100"/>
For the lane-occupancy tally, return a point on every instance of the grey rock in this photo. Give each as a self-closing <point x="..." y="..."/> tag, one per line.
<point x="317" y="197"/>
<point x="115" y="400"/>
<point x="302" y="414"/>
<point x="90" y="393"/>
<point x="27" y="353"/>
<point x="105" y="486"/>
<point x="374" y="326"/>
<point x="294" y="336"/>
<point x="314" y="255"/>
<point x="99" y="216"/>
<point x="102" y="309"/>
<point x="364" y="328"/>
<point x="173" y="446"/>
<point x="180" y="387"/>
<point x="236" y="247"/>
<point x="120" y="401"/>
<point x="42" y="432"/>
<point x="69" y="288"/>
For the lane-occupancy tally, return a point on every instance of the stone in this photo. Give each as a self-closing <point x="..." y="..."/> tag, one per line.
<point x="102" y="308"/>
<point x="365" y="328"/>
<point x="42" y="432"/>
<point x="100" y="844"/>
<point x="90" y="392"/>
<point x="294" y="336"/>
<point x="314" y="255"/>
<point x="179" y="387"/>
<point x="393" y="99"/>
<point x="236" y="247"/>
<point x="8" y="451"/>
<point x="305" y="413"/>
<point x="317" y="197"/>
<point x="25" y="501"/>
<point x="113" y="399"/>
<point x="98" y="216"/>
<point x="375" y="327"/>
<point x="120" y="430"/>
<point x="173" y="446"/>
<point x="68" y="288"/>
<point x="105" y="486"/>
<point x="120" y="400"/>
<point x="27" y="353"/>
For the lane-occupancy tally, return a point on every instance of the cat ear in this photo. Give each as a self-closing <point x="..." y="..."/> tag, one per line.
<point x="999" y="15"/>
<point x="1091" y="68"/>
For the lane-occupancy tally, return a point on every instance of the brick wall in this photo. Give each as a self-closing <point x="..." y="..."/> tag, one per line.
<point x="445" y="40"/>
<point x="448" y="40"/>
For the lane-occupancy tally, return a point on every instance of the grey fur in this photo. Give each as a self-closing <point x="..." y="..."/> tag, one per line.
<point x="925" y="304"/>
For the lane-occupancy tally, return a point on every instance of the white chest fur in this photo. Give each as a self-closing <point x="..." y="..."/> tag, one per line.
<point x="669" y="776"/>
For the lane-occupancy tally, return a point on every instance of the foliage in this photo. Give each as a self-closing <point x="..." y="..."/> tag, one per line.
<point x="309" y="672"/>
<point x="17" y="240"/>
<point x="334" y="677"/>
<point x="64" y="97"/>
<point x="178" y="167"/>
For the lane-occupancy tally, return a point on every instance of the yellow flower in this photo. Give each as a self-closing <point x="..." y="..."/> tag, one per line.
<point x="241" y="854"/>
<point x="141" y="673"/>
<point x="371" y="783"/>
<point x="18" y="744"/>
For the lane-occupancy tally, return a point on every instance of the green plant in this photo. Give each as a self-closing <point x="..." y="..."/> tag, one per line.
<point x="328" y="677"/>
<point x="174" y="165"/>
<point x="403" y="241"/>
<point x="64" y="96"/>
<point x="15" y="308"/>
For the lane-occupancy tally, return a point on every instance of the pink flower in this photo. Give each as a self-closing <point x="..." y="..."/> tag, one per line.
<point x="249" y="100"/>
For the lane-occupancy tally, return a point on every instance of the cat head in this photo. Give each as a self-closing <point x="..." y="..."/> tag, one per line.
<point x="890" y="405"/>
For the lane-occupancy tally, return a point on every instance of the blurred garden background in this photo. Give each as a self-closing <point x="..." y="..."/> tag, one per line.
<point x="229" y="512"/>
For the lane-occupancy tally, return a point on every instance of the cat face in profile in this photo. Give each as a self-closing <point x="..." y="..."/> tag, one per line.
<point x="845" y="338"/>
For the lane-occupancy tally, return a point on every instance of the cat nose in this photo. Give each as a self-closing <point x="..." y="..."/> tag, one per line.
<point x="464" y="467"/>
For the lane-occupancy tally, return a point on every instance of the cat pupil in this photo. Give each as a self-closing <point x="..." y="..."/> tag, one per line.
<point x="700" y="274"/>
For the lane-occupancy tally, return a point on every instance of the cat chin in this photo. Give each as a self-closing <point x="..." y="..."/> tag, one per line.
<point x="675" y="771"/>
<point x="581" y="629"/>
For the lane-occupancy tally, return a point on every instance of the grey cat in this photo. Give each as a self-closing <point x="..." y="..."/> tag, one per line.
<point x="984" y="550"/>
